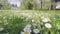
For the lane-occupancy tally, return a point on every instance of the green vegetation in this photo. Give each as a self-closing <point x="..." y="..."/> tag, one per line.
<point x="12" y="21"/>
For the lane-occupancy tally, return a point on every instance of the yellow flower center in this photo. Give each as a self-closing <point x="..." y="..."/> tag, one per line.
<point x="26" y="32"/>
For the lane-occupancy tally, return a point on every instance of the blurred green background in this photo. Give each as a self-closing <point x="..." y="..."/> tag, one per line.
<point x="28" y="4"/>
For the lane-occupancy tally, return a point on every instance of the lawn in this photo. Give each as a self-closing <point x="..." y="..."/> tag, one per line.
<point x="14" y="21"/>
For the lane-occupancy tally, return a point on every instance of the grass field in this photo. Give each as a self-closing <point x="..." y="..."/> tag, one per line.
<point x="13" y="21"/>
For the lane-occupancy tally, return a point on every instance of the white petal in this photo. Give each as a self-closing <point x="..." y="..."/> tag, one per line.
<point x="45" y="19"/>
<point x="36" y="31"/>
<point x="33" y="20"/>
<point x="1" y="29"/>
<point x="29" y="25"/>
<point x="7" y="33"/>
<point x="47" y="25"/>
<point x="22" y="33"/>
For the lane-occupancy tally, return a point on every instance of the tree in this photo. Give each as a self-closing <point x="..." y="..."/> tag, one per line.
<point x="5" y="4"/>
<point x="1" y="6"/>
<point x="30" y="4"/>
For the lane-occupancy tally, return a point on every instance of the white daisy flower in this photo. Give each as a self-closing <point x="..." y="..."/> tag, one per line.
<point x="34" y="24"/>
<point x="1" y="29"/>
<point x="4" y="17"/>
<point x="36" y="31"/>
<point x="47" y="25"/>
<point x="29" y="25"/>
<point x="45" y="20"/>
<point x="33" y="20"/>
<point x="22" y="33"/>
<point x="7" y="33"/>
<point x="26" y="29"/>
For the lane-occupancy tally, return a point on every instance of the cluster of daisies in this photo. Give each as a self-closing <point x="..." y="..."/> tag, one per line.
<point x="35" y="21"/>
<point x="4" y="21"/>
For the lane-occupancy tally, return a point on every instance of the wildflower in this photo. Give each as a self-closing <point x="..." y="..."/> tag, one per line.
<point x="1" y="29"/>
<point x="36" y="31"/>
<point x="22" y="33"/>
<point x="45" y="20"/>
<point x="26" y="32"/>
<point x="33" y="20"/>
<point x="7" y="33"/>
<point x="29" y="25"/>
<point x="27" y="29"/>
<point x="47" y="25"/>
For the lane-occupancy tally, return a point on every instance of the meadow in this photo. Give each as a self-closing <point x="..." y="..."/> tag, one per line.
<point x="14" y="21"/>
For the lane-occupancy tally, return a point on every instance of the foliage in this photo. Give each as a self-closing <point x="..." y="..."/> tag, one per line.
<point x="5" y="4"/>
<point x="13" y="22"/>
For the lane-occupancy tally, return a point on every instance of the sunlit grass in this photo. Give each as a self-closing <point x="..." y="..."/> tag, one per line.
<point x="13" y="23"/>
